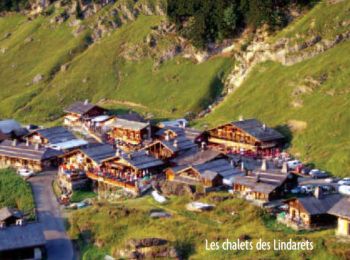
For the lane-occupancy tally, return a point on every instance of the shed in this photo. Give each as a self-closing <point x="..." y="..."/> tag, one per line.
<point x="341" y="209"/>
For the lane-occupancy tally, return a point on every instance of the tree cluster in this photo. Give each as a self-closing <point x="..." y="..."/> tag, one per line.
<point x="205" y="21"/>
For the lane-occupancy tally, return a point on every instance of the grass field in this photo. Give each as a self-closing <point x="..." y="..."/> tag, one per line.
<point x="113" y="225"/>
<point x="16" y="193"/>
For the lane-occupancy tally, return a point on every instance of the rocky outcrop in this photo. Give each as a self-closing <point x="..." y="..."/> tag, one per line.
<point x="148" y="248"/>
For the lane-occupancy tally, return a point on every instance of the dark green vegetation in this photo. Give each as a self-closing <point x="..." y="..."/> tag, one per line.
<point x="13" y="5"/>
<point x="79" y="196"/>
<point x="208" y="21"/>
<point x="16" y="193"/>
<point x="111" y="226"/>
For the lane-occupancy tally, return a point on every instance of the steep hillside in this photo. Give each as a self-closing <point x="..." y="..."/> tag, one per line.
<point x="308" y="100"/>
<point x="48" y="62"/>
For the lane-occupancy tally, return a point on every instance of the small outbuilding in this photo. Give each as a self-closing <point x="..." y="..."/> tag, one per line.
<point x="342" y="211"/>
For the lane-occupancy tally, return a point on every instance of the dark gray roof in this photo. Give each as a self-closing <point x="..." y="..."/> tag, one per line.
<point x="258" y="130"/>
<point x="21" y="150"/>
<point x="142" y="160"/>
<point x="9" y="126"/>
<point x="80" y="108"/>
<point x="189" y="133"/>
<point x="131" y="116"/>
<point x="99" y="152"/>
<point x="341" y="208"/>
<point x="263" y="182"/>
<point x="56" y="134"/>
<point x="196" y="156"/>
<point x="6" y="213"/>
<point x="315" y="206"/>
<point x="178" y="144"/>
<point x="18" y="237"/>
<point x="210" y="175"/>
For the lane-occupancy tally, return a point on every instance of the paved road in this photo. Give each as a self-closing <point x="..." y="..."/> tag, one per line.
<point x="57" y="243"/>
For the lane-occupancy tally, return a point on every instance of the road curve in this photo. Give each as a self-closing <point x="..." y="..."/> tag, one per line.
<point x="58" y="245"/>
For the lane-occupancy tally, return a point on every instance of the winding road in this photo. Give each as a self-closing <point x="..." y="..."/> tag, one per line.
<point x="58" y="245"/>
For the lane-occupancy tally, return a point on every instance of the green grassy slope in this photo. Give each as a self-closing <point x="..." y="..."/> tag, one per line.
<point x="111" y="227"/>
<point x="100" y="72"/>
<point x="269" y="94"/>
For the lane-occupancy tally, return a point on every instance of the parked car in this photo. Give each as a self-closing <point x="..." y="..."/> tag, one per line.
<point x="345" y="181"/>
<point x="317" y="174"/>
<point x="294" y="164"/>
<point x="344" y="189"/>
<point x="307" y="189"/>
<point x="327" y="188"/>
<point x="330" y="180"/>
<point x="25" y="172"/>
<point x="305" y="170"/>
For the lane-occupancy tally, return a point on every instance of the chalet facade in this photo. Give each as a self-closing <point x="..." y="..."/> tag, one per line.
<point x="342" y="211"/>
<point x="110" y="168"/>
<point x="58" y="138"/>
<point x="264" y="184"/>
<point x="249" y="137"/>
<point x="311" y="212"/>
<point x="129" y="135"/>
<point x="209" y="174"/>
<point x="81" y="113"/>
<point x="25" y="155"/>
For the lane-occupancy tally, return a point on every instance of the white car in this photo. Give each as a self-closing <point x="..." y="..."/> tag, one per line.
<point x="25" y="172"/>
<point x="344" y="189"/>
<point x="307" y="189"/>
<point x="294" y="164"/>
<point x="345" y="181"/>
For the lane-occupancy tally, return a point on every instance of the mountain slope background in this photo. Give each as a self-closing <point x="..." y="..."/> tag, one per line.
<point x="127" y="56"/>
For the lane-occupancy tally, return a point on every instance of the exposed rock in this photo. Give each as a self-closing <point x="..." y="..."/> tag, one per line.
<point x="64" y="67"/>
<point x="28" y="40"/>
<point x="7" y="35"/>
<point x="37" y="78"/>
<point x="297" y="125"/>
<point x="174" y="188"/>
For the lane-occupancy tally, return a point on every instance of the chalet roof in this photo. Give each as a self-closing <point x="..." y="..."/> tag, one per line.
<point x="131" y="116"/>
<point x="341" y="208"/>
<point x="57" y="134"/>
<point x="315" y="206"/>
<point x="18" y="237"/>
<point x="127" y="124"/>
<point x="210" y="175"/>
<point x="258" y="130"/>
<point x="8" y="126"/>
<point x="178" y="144"/>
<point x="21" y="150"/>
<point x="80" y="108"/>
<point x="263" y="181"/>
<point x="196" y="156"/>
<point x="142" y="160"/>
<point x="99" y="152"/>
<point x="7" y="212"/>
<point x="189" y="133"/>
<point x="70" y="144"/>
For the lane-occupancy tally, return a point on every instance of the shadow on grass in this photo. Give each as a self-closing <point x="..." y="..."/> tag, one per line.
<point x="185" y="249"/>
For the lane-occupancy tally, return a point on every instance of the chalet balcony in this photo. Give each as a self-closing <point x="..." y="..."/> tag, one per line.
<point x="138" y="185"/>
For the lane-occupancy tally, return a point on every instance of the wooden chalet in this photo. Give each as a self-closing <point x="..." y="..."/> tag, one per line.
<point x="55" y="137"/>
<point x="79" y="113"/>
<point x="342" y="211"/>
<point x="171" y="148"/>
<point x="249" y="137"/>
<point x="264" y="184"/>
<point x="171" y="132"/>
<point x="22" y="242"/>
<point x="311" y="212"/>
<point x="25" y="155"/>
<point x="133" y="171"/>
<point x="209" y="174"/>
<point x="129" y="135"/>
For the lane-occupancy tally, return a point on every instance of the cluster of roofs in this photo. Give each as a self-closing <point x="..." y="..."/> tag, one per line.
<point x="126" y="151"/>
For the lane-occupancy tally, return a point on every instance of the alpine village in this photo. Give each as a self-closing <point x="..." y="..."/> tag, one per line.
<point x="85" y="177"/>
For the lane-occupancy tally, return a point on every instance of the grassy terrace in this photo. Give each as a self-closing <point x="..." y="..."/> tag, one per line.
<point x="16" y="193"/>
<point x="309" y="101"/>
<point x="111" y="226"/>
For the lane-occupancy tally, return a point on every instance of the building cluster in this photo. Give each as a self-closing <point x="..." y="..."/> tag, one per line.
<point x="127" y="152"/>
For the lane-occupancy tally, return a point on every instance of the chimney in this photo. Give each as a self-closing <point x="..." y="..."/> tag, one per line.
<point x="86" y="102"/>
<point x="232" y="164"/>
<point x="147" y="152"/>
<point x="318" y="193"/>
<point x="167" y="136"/>
<point x="117" y="152"/>
<point x="19" y="222"/>
<point x="264" y="165"/>
<point x="27" y="141"/>
<point x="264" y="127"/>
<point x="242" y="166"/>
<point x="175" y="143"/>
<point x="14" y="142"/>
<point x="284" y="168"/>
<point x="130" y="156"/>
<point x="37" y="146"/>
<point x="149" y="130"/>
<point x="203" y="145"/>
<point x="240" y="118"/>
